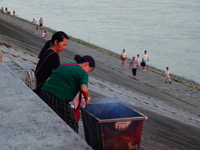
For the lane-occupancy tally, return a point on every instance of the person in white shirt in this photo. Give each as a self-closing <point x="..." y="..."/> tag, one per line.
<point x="138" y="60"/>
<point x="34" y="23"/>
<point x="44" y="34"/>
<point x="167" y="75"/>
<point x="145" y="59"/>
<point x="123" y="59"/>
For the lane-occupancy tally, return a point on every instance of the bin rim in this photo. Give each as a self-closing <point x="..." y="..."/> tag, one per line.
<point x="121" y="119"/>
<point x="117" y="119"/>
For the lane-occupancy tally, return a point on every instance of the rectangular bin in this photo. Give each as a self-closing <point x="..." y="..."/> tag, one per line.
<point x="112" y="126"/>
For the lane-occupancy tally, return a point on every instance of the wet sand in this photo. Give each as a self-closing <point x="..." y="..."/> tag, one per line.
<point x="173" y="109"/>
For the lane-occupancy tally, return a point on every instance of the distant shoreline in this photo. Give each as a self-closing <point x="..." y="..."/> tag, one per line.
<point x="175" y="78"/>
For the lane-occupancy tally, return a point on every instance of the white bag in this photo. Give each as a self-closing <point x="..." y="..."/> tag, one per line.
<point x="31" y="81"/>
<point x="76" y="101"/>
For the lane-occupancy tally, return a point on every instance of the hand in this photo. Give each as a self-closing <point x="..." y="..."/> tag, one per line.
<point x="87" y="102"/>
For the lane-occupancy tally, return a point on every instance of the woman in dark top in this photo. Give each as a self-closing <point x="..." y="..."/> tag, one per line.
<point x="49" y="59"/>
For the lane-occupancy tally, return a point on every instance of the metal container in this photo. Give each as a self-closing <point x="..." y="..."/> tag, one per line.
<point x="112" y="126"/>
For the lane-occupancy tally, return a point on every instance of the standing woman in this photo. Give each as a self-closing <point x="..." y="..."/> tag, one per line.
<point x="34" y="23"/>
<point x="134" y="66"/>
<point x="123" y="59"/>
<point x="64" y="84"/>
<point x="145" y="59"/>
<point x="41" y="23"/>
<point x="49" y="59"/>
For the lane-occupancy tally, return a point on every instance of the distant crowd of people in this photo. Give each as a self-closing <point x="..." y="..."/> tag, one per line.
<point x="2" y="10"/>
<point x="135" y="64"/>
<point x="33" y="22"/>
<point x="39" y="26"/>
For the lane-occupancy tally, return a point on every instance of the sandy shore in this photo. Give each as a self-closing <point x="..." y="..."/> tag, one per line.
<point x="171" y="108"/>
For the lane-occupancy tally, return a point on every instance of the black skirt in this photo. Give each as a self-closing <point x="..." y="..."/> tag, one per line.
<point x="143" y="63"/>
<point x="63" y="109"/>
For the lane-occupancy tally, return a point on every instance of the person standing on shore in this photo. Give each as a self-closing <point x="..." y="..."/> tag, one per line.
<point x="167" y="75"/>
<point x="49" y="59"/>
<point x="41" y="23"/>
<point x="64" y="84"/>
<point x="145" y="59"/>
<point x="34" y="23"/>
<point x="134" y="66"/>
<point x="138" y="60"/>
<point x="2" y="9"/>
<point x="13" y="12"/>
<point x="123" y="59"/>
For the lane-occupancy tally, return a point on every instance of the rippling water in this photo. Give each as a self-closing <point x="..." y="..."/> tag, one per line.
<point x="169" y="29"/>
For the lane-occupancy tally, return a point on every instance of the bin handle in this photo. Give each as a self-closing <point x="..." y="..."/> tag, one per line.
<point x="122" y="125"/>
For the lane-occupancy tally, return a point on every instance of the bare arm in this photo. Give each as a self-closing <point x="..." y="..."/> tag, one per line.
<point x="85" y="93"/>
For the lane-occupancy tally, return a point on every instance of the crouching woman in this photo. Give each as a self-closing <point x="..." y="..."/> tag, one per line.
<point x="64" y="84"/>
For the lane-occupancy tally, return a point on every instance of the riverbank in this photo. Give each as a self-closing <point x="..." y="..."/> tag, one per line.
<point x="171" y="108"/>
<point x="108" y="52"/>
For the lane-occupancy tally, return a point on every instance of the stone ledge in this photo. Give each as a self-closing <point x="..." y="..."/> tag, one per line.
<point x="26" y="122"/>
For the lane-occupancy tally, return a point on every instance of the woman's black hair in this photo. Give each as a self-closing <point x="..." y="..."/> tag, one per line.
<point x="85" y="58"/>
<point x="60" y="35"/>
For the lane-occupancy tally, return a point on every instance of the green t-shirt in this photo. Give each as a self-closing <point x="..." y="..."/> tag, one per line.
<point x="65" y="82"/>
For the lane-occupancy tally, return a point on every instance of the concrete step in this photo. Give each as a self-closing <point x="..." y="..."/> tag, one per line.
<point x="18" y="53"/>
<point x="18" y="61"/>
<point x="27" y="122"/>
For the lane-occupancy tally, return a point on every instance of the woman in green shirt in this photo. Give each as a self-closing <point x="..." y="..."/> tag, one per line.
<point x="64" y="84"/>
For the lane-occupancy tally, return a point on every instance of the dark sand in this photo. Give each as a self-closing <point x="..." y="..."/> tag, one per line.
<point x="159" y="131"/>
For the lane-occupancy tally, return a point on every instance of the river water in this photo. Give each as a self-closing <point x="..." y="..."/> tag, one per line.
<point x="169" y="29"/>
